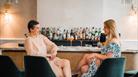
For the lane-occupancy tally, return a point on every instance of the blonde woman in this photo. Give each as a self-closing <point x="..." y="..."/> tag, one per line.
<point x="38" y="45"/>
<point x="90" y="62"/>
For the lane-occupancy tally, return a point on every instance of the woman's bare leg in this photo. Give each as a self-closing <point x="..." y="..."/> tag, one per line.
<point x="82" y="62"/>
<point x="66" y="68"/>
<point x="57" y="70"/>
<point x="98" y="62"/>
<point x="84" y="68"/>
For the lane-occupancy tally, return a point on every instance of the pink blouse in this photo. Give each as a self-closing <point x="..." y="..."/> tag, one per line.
<point x="39" y="46"/>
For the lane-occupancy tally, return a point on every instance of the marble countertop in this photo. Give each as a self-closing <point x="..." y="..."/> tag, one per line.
<point x="14" y="46"/>
<point x="78" y="48"/>
<point x="60" y="48"/>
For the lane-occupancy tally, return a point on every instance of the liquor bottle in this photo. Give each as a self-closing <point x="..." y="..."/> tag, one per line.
<point x="50" y="34"/>
<point x="80" y="33"/>
<point x="96" y="34"/>
<point x="67" y="34"/>
<point x="64" y="35"/>
<point x="55" y="34"/>
<point x="99" y="31"/>
<point x="76" y="37"/>
<point x="72" y="34"/>
<point x="43" y="31"/>
<point x="60" y="37"/>
<point x="99" y="34"/>
<point x="86" y="33"/>
<point x="47" y="32"/>
<point x="83" y="33"/>
<point x="92" y="33"/>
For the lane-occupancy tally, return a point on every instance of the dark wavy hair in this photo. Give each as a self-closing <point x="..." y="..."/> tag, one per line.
<point x="31" y="24"/>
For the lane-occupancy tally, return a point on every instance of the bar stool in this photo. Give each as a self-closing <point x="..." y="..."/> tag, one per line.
<point x="8" y="68"/>
<point x="37" y="67"/>
<point x="111" y="67"/>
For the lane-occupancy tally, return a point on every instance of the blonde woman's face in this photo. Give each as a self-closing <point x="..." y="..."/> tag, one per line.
<point x="106" y="30"/>
<point x="36" y="29"/>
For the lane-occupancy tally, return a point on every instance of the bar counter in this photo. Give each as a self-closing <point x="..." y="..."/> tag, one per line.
<point x="72" y="53"/>
<point x="64" y="48"/>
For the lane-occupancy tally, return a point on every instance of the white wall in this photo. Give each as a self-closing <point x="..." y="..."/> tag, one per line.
<point x="69" y="12"/>
<point x="127" y="25"/>
<point x="72" y="13"/>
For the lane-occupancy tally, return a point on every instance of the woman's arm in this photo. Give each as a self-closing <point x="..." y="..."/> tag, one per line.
<point x="102" y="57"/>
<point x="110" y="50"/>
<point x="28" y="46"/>
<point x="99" y="56"/>
<point x="51" y="46"/>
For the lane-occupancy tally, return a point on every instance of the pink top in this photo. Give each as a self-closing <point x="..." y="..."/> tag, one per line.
<point x="39" y="46"/>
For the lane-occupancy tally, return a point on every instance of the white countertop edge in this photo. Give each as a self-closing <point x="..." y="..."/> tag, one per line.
<point x="74" y="49"/>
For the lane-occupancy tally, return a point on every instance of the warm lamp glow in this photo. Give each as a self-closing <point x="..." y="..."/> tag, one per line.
<point x="7" y="17"/>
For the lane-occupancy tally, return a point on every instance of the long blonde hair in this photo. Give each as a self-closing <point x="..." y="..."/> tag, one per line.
<point x="111" y="25"/>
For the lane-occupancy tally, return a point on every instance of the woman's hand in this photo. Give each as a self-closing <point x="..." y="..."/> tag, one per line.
<point x="59" y="63"/>
<point x="91" y="57"/>
<point x="89" y="60"/>
<point x="51" y="57"/>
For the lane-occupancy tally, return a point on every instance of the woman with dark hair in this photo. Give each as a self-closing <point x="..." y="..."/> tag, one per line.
<point x="38" y="45"/>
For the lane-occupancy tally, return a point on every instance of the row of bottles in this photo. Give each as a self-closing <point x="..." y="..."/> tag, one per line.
<point x="80" y="33"/>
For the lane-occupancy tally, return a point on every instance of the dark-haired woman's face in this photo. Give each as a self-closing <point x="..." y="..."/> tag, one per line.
<point x="36" y="29"/>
